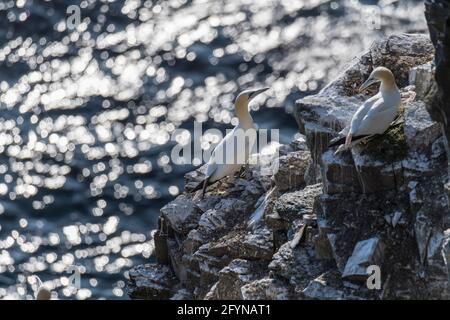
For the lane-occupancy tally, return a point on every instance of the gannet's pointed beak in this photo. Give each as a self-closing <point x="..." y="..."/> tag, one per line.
<point x="368" y="83"/>
<point x="257" y="92"/>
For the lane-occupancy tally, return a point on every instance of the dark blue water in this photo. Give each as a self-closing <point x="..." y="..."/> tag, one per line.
<point x="87" y="114"/>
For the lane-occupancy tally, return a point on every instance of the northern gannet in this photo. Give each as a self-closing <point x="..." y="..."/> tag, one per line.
<point x="223" y="163"/>
<point x="376" y="114"/>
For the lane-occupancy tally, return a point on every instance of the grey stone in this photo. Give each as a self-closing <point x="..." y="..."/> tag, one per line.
<point x="296" y="265"/>
<point x="265" y="289"/>
<point x="339" y="174"/>
<point x="231" y="278"/>
<point x="328" y="287"/>
<point x="420" y="130"/>
<point x="366" y="253"/>
<point x="181" y="214"/>
<point x="376" y="175"/>
<point x="422" y="77"/>
<point x="291" y="170"/>
<point x="320" y="291"/>
<point x="294" y="205"/>
<point x="151" y="281"/>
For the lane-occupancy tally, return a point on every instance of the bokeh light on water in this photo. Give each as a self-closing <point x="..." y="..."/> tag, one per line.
<point x="86" y="115"/>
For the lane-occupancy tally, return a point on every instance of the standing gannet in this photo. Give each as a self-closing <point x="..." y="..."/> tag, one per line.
<point x="224" y="159"/>
<point x="377" y="113"/>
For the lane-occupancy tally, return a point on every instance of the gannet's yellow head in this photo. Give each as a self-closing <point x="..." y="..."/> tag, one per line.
<point x="380" y="74"/>
<point x="246" y="96"/>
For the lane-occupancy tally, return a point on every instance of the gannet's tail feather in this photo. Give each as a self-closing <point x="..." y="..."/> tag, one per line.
<point x="341" y="140"/>
<point x="259" y="212"/>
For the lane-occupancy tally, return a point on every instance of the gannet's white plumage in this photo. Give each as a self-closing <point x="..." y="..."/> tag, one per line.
<point x="377" y="113"/>
<point x="222" y="163"/>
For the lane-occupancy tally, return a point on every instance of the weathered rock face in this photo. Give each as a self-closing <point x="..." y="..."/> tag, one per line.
<point x="151" y="282"/>
<point x="437" y="13"/>
<point x="233" y="277"/>
<point x="381" y="206"/>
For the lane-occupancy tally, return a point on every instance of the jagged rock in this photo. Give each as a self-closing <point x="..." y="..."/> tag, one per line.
<point x="181" y="214"/>
<point x="322" y="246"/>
<point x="193" y="178"/>
<point x="366" y="253"/>
<point x="422" y="77"/>
<point x="262" y="167"/>
<point x="291" y="170"/>
<point x="320" y="291"/>
<point x="291" y="206"/>
<point x="401" y="53"/>
<point x="255" y="245"/>
<point x="420" y="130"/>
<point x="299" y="144"/>
<point x="338" y="258"/>
<point x="231" y="278"/>
<point x="151" y="281"/>
<point x="339" y="173"/>
<point x="176" y="259"/>
<point x="193" y="241"/>
<point x="327" y="287"/>
<point x="265" y="289"/>
<point x="394" y="218"/>
<point x="212" y="221"/>
<point x="296" y="265"/>
<point x="182" y="294"/>
<point x="375" y="175"/>
<point x="204" y="269"/>
<point x="207" y="203"/>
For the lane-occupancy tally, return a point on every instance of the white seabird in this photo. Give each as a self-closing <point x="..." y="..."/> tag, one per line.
<point x="377" y="113"/>
<point x="223" y="163"/>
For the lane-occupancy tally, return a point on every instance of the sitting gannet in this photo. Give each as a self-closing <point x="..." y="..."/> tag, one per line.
<point x="223" y="163"/>
<point x="377" y="113"/>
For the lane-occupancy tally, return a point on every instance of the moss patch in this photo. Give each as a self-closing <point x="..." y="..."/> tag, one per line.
<point x="390" y="146"/>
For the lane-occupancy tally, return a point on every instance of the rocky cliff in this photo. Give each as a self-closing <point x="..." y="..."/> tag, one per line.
<point x="327" y="217"/>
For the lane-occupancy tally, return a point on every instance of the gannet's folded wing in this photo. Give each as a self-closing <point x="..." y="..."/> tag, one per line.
<point x="223" y="159"/>
<point x="378" y="119"/>
<point x="361" y="113"/>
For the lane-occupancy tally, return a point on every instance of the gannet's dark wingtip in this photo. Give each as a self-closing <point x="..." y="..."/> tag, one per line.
<point x="336" y="142"/>
<point x="339" y="141"/>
